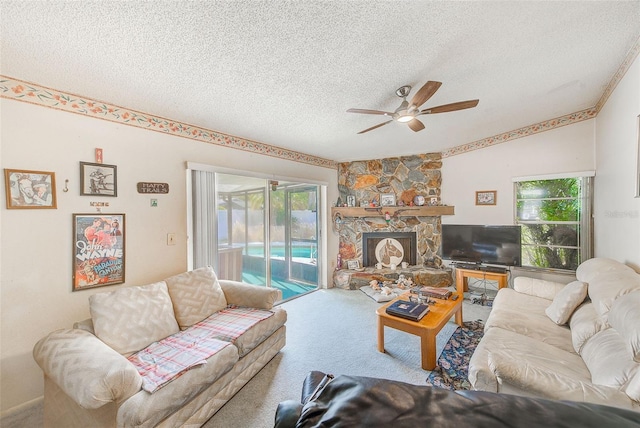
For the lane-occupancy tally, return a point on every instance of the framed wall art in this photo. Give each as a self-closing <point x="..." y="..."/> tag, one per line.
<point x="486" y="197"/>
<point x="30" y="189"/>
<point x="353" y="264"/>
<point x="98" y="250"/>
<point x="97" y="179"/>
<point x="387" y="199"/>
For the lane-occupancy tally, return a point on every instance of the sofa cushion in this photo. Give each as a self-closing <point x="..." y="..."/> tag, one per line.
<point x="566" y="301"/>
<point x="592" y="268"/>
<point x="246" y="328"/>
<point x="605" y="289"/>
<point x="148" y="410"/>
<point x="552" y="359"/>
<point x="625" y="318"/>
<point x="584" y="323"/>
<point x="195" y="295"/>
<point x="633" y="387"/>
<point x="130" y="318"/>
<point x="609" y="359"/>
<point x="260" y="331"/>
<point x="525" y="314"/>
<point x="537" y="287"/>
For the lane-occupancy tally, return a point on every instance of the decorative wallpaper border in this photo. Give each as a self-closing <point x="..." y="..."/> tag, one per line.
<point x="15" y="89"/>
<point x="526" y="131"/>
<point x="617" y="77"/>
<point x="19" y="90"/>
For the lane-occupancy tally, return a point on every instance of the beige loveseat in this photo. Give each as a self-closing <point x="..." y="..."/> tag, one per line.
<point x="89" y="372"/>
<point x="578" y="341"/>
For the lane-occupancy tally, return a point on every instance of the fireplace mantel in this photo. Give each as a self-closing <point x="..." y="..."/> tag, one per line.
<point x="424" y="211"/>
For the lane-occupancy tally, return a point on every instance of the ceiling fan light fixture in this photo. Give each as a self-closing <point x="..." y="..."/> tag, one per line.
<point x="405" y="117"/>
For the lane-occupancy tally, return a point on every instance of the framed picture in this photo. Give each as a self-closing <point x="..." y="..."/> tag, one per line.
<point x="486" y="197"/>
<point x="387" y="199"/>
<point x="98" y="250"/>
<point x="97" y="179"/>
<point x="353" y="264"/>
<point x="30" y="189"/>
<point x="351" y="201"/>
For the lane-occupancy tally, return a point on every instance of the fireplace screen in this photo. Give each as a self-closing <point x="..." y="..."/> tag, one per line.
<point x="388" y="248"/>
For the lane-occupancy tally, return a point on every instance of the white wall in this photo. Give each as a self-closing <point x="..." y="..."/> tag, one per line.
<point x="35" y="295"/>
<point x="617" y="212"/>
<point x="566" y="149"/>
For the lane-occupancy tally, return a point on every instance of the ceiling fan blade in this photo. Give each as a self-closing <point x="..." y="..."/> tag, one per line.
<point x="374" y="127"/>
<point x="367" y="111"/>
<point x="460" y="105"/>
<point x="415" y="125"/>
<point x="425" y="93"/>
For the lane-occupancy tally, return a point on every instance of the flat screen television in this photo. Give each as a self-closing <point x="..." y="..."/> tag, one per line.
<point x="494" y="245"/>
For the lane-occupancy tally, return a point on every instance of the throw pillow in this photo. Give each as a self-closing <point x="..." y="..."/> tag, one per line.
<point x="195" y="295"/>
<point x="131" y="318"/>
<point x="566" y="301"/>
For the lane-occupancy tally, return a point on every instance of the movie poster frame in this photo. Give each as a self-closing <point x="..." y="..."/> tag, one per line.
<point x="90" y="242"/>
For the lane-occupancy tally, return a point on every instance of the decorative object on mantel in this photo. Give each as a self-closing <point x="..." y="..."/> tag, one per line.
<point x="387" y="199"/>
<point x="145" y="187"/>
<point x="486" y="197"/>
<point x="30" y="189"/>
<point x="418" y="200"/>
<point x="98" y="179"/>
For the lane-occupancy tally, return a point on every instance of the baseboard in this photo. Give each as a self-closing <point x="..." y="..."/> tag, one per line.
<point x="29" y="414"/>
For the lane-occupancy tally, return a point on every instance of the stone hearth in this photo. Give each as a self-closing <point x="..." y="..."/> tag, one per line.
<point x="354" y="279"/>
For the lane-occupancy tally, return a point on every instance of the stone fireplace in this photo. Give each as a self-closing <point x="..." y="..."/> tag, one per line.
<point x="404" y="177"/>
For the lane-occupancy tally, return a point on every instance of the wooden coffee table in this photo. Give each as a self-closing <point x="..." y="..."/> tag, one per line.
<point x="427" y="328"/>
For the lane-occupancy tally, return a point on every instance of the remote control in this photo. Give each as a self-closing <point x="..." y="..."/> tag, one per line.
<point x="455" y="297"/>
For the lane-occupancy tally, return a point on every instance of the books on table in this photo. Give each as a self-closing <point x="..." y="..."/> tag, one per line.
<point x="438" y="293"/>
<point x="408" y="310"/>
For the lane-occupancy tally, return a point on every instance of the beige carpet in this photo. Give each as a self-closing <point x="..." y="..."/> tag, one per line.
<point x="332" y="331"/>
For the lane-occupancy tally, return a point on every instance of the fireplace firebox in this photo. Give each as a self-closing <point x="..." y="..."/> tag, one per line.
<point x="372" y="240"/>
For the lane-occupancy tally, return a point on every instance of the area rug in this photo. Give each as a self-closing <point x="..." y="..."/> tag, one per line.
<point x="453" y="364"/>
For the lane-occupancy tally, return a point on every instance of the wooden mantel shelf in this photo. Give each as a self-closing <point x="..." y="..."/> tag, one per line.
<point x="424" y="211"/>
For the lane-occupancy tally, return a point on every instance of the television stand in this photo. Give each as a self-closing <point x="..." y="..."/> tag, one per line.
<point x="463" y="275"/>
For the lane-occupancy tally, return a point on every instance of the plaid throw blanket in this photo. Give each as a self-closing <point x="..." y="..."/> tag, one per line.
<point x="163" y="361"/>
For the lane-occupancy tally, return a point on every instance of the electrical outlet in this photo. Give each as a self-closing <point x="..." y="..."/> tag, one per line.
<point x="171" y="239"/>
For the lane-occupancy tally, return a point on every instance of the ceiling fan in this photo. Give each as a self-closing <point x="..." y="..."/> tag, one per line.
<point x="409" y="111"/>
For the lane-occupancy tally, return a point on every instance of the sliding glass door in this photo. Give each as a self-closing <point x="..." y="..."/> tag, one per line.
<point x="266" y="232"/>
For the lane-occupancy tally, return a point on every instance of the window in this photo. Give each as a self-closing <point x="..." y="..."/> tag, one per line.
<point x="555" y="216"/>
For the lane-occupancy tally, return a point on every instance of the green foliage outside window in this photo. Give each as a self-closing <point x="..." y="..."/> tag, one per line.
<point x="550" y="214"/>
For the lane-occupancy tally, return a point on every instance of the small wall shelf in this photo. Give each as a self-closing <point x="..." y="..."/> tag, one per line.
<point x="424" y="211"/>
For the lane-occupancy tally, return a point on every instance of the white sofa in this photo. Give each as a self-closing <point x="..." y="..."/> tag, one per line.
<point x="578" y="341"/>
<point x="89" y="374"/>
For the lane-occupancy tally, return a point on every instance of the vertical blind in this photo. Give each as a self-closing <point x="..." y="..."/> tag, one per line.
<point x="204" y="219"/>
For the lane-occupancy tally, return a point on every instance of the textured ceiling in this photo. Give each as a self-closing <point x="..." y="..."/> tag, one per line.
<point x="284" y="73"/>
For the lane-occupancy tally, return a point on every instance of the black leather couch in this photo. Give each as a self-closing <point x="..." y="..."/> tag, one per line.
<point x="352" y="401"/>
